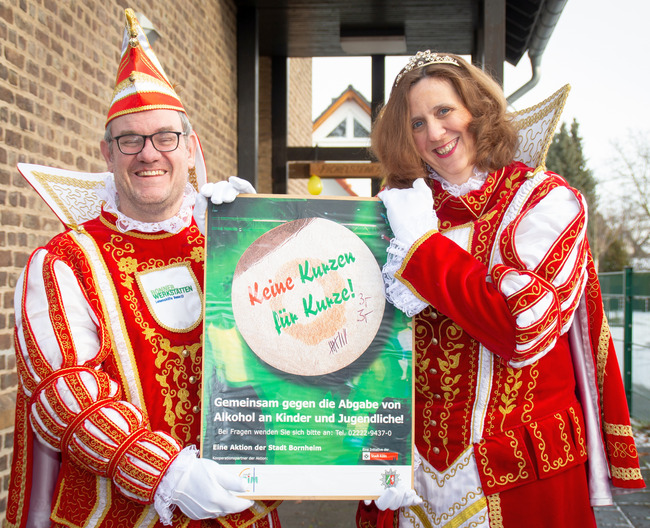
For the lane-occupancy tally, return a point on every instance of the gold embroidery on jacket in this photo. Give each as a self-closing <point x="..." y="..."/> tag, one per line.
<point x="509" y="395"/>
<point x="168" y="359"/>
<point x="541" y="445"/>
<point x="603" y="351"/>
<point x="441" y="478"/>
<point x="423" y="329"/>
<point x="622" y="449"/>
<point x="626" y="473"/>
<point x="579" y="433"/>
<point x="510" y="477"/>
<point x="460" y="512"/>
<point x="494" y="510"/>
<point x="448" y="381"/>
<point x="618" y="429"/>
<point x="528" y="407"/>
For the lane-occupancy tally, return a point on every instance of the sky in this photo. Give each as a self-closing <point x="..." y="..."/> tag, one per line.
<point x="599" y="47"/>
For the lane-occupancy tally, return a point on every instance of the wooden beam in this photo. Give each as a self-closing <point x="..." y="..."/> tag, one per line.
<point x="378" y="97"/>
<point x="334" y="170"/>
<point x="314" y="154"/>
<point x="279" y="124"/>
<point x="494" y="38"/>
<point x="247" y="94"/>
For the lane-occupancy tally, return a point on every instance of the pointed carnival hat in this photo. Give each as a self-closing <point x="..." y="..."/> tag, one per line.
<point x="141" y="85"/>
<point x="141" y="82"/>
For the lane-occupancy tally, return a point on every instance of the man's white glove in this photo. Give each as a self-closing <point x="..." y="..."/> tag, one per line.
<point x="410" y="211"/>
<point x="226" y="191"/>
<point x="200" y="208"/>
<point x="395" y="498"/>
<point x="205" y="491"/>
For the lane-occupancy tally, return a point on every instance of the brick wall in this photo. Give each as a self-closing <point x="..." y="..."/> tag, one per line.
<point x="58" y="61"/>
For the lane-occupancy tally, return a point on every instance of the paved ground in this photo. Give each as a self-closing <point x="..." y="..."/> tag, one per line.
<point x="632" y="510"/>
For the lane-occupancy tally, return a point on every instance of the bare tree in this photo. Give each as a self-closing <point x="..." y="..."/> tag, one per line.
<point x="632" y="168"/>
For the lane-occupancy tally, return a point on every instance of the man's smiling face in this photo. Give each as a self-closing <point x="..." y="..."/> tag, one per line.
<point x="150" y="185"/>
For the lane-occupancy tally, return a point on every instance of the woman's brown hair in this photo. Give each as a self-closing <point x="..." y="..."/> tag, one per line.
<point x="495" y="135"/>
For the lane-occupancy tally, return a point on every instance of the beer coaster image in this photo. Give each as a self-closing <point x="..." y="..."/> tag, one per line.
<point x="308" y="297"/>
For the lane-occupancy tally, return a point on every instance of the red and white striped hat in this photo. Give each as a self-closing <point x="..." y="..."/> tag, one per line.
<point x="141" y="82"/>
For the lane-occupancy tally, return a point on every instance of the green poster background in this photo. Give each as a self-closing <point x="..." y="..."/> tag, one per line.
<point x="357" y="419"/>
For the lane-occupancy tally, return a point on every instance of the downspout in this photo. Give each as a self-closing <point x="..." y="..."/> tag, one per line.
<point x="544" y="28"/>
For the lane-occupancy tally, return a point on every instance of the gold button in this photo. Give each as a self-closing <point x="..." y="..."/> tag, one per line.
<point x="434" y="315"/>
<point x="433" y="371"/>
<point x="433" y="423"/>
<point x="196" y="409"/>
<point x="198" y="439"/>
<point x="436" y="451"/>
<point x="185" y="352"/>
<point x="434" y="341"/>
<point x="193" y="379"/>
<point x="437" y="397"/>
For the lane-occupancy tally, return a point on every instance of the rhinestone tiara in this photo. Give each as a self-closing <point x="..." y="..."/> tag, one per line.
<point x="424" y="58"/>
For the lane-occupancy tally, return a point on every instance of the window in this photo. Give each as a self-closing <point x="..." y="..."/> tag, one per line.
<point x="360" y="131"/>
<point x="339" y="131"/>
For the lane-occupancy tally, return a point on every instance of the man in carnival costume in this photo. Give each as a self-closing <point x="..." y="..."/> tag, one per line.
<point x="108" y="405"/>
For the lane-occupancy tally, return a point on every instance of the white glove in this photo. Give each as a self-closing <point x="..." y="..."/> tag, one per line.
<point x="205" y="491"/>
<point x="395" y="498"/>
<point x="200" y="208"/>
<point x="410" y="211"/>
<point x="226" y="191"/>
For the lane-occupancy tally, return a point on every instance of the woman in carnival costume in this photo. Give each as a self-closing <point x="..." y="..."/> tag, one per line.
<point x="520" y="414"/>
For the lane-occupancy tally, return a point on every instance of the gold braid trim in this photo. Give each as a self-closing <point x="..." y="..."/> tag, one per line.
<point x="626" y="473"/>
<point x="494" y="510"/>
<point x="618" y="429"/>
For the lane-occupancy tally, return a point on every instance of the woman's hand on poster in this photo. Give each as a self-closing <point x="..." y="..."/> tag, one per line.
<point x="410" y="211"/>
<point x="395" y="498"/>
<point x="227" y="190"/>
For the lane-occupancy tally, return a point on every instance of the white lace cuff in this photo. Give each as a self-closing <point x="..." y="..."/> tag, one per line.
<point x="162" y="500"/>
<point x="173" y="225"/>
<point x="396" y="292"/>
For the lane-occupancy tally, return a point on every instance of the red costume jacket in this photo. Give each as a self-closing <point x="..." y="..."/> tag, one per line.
<point x="108" y="345"/>
<point x="496" y="403"/>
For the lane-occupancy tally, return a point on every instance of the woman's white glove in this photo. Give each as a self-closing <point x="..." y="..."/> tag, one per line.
<point x="206" y="491"/>
<point x="395" y="498"/>
<point x="226" y="191"/>
<point x="410" y="211"/>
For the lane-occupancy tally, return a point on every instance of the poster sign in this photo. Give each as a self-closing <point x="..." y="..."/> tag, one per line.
<point x="308" y="383"/>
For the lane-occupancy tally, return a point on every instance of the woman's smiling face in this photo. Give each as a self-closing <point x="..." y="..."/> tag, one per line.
<point x="440" y="126"/>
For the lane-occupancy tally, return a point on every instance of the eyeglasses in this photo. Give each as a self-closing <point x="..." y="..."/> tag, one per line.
<point x="165" y="141"/>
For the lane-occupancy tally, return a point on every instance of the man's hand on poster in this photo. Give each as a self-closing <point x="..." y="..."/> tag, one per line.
<point x="395" y="498"/>
<point x="219" y="193"/>
<point x="410" y="211"/>
<point x="226" y="191"/>
<point x="200" y="487"/>
<point x="206" y="491"/>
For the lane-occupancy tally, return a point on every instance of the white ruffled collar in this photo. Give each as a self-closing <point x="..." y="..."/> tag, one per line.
<point x="173" y="225"/>
<point x="474" y="183"/>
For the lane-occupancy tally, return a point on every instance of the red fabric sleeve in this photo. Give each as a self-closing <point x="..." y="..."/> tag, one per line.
<point x="450" y="279"/>
<point x="369" y="516"/>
